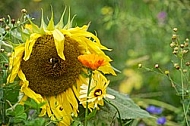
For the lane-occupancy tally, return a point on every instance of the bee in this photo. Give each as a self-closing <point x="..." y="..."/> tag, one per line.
<point x="54" y="62"/>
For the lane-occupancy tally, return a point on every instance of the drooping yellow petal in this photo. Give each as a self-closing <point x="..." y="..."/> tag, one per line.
<point x="107" y="69"/>
<point x="29" y="45"/>
<point x="61" y="115"/>
<point x="72" y="99"/>
<point x="61" y="98"/>
<point x="27" y="91"/>
<point x="59" y="43"/>
<point x="30" y="93"/>
<point x="21" y="75"/>
<point x="15" y="62"/>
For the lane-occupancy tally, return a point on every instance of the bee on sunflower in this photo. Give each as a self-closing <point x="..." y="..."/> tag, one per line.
<point x="50" y="66"/>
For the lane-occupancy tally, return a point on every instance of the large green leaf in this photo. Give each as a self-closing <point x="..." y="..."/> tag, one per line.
<point x="127" y="108"/>
<point x="128" y="111"/>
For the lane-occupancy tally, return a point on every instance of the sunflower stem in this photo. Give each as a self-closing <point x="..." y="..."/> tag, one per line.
<point x="88" y="92"/>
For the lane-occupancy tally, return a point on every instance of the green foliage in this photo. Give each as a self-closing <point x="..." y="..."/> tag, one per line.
<point x="133" y="29"/>
<point x="18" y="115"/>
<point x="127" y="108"/>
<point x="119" y="111"/>
<point x="27" y="114"/>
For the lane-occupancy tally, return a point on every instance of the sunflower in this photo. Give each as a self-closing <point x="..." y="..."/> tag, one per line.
<point x="98" y="87"/>
<point x="48" y="66"/>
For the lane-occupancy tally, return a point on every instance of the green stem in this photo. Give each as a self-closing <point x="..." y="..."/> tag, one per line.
<point x="88" y="92"/>
<point x="120" y="121"/>
<point x="182" y="92"/>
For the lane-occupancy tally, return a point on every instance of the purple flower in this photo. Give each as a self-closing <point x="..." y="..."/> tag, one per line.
<point x="162" y="15"/>
<point x="161" y="120"/>
<point x="154" y="110"/>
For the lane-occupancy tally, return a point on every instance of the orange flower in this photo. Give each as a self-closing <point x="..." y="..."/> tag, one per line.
<point x="92" y="61"/>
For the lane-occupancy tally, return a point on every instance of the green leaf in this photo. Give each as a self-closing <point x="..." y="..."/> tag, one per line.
<point x="33" y="104"/>
<point x="18" y="115"/>
<point x="92" y="114"/>
<point x="37" y="122"/>
<point x="20" y="118"/>
<point x="11" y="92"/>
<point x="127" y="108"/>
<point x="19" y="109"/>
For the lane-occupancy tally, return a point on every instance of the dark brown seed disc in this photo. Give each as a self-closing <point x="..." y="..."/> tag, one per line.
<point x="46" y="72"/>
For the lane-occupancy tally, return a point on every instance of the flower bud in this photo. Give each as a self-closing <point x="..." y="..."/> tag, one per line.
<point x="23" y="11"/>
<point x="13" y="21"/>
<point x="175" y="52"/>
<point x="175" y="29"/>
<point x="176" y="66"/>
<point x="9" y="54"/>
<point x="6" y="65"/>
<point x="187" y="63"/>
<point x="174" y="36"/>
<point x="185" y="51"/>
<point x="187" y="40"/>
<point x="182" y="45"/>
<point x="176" y="49"/>
<point x="186" y="44"/>
<point x="7" y="28"/>
<point x="172" y="44"/>
<point x="156" y="66"/>
<point x="166" y="72"/>
<point x="139" y="65"/>
<point x="1" y="20"/>
<point x="2" y="50"/>
<point x="184" y="70"/>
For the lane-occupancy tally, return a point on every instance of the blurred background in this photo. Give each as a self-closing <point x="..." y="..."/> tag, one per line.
<point x="137" y="31"/>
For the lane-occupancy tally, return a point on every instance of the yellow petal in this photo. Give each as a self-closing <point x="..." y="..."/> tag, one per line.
<point x="29" y="45"/>
<point x="107" y="69"/>
<point x="59" y="43"/>
<point x="72" y="99"/>
<point x="61" y="98"/>
<point x="60" y="115"/>
<point x="30" y="93"/>
<point x="15" y="62"/>
<point x="21" y="75"/>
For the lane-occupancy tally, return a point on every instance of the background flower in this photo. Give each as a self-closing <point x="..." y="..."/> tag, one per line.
<point x="154" y="110"/>
<point x="161" y="120"/>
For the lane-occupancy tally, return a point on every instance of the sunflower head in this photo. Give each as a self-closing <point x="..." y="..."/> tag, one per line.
<point x="47" y="63"/>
